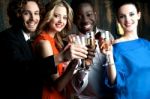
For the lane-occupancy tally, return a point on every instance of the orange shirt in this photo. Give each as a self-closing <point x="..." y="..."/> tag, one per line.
<point x="47" y="93"/>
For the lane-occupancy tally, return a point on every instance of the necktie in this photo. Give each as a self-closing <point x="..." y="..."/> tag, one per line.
<point x="29" y="42"/>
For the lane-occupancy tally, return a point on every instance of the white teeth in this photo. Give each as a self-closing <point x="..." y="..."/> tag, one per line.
<point x="59" y="25"/>
<point x="32" y="23"/>
<point x="128" y="25"/>
<point x="87" y="26"/>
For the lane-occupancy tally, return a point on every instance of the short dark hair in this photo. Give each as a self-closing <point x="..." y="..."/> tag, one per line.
<point x="75" y="4"/>
<point x="15" y="8"/>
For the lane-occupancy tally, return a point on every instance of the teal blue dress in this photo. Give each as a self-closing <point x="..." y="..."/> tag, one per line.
<point x="132" y="60"/>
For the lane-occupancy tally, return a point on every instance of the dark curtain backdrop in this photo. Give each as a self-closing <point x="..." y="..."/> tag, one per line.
<point x="104" y="16"/>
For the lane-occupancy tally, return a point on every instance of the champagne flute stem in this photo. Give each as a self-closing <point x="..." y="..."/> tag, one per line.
<point x="83" y="63"/>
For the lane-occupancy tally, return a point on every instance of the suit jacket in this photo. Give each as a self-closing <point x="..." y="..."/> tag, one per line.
<point x="22" y="74"/>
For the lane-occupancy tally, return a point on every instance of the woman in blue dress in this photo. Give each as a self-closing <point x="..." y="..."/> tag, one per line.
<point x="129" y="57"/>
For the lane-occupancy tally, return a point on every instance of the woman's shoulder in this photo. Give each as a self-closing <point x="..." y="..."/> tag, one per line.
<point x="144" y="40"/>
<point x="42" y="35"/>
<point x="124" y="39"/>
<point x="42" y="40"/>
<point x="118" y="40"/>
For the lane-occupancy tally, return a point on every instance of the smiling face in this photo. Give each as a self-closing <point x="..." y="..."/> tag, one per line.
<point x="85" y="18"/>
<point x="128" y="17"/>
<point x="30" y="16"/>
<point x="59" y="19"/>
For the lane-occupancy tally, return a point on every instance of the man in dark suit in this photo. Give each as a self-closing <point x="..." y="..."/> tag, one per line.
<point x="21" y="73"/>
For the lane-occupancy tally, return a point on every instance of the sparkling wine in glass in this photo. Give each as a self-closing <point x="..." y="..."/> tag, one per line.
<point x="91" y="44"/>
<point x="106" y="37"/>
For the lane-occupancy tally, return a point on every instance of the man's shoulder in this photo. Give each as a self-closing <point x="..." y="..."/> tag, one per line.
<point x="102" y="30"/>
<point x="9" y="33"/>
<point x="6" y="32"/>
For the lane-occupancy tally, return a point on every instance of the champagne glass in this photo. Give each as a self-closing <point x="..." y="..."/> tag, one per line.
<point x="80" y="41"/>
<point x="89" y="41"/>
<point x="106" y="38"/>
<point x="91" y="45"/>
